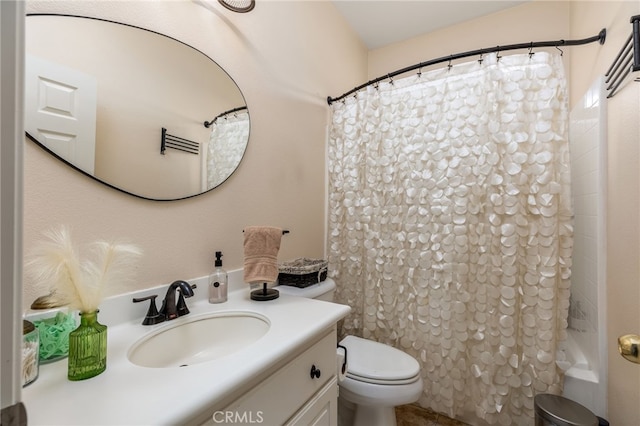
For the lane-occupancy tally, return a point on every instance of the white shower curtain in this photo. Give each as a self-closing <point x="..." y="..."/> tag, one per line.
<point x="450" y="229"/>
<point x="227" y="143"/>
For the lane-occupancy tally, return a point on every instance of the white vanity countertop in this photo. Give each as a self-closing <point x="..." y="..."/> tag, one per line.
<point x="126" y="394"/>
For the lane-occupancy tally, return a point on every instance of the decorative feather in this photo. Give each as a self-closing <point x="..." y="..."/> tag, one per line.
<point x="56" y="268"/>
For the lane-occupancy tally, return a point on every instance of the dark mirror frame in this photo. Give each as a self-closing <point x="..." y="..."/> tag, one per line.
<point x="204" y="123"/>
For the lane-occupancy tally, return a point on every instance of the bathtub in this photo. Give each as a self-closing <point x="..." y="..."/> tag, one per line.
<point x="583" y="380"/>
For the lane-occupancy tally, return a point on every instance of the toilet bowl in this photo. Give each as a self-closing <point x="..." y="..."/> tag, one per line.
<point x="378" y="377"/>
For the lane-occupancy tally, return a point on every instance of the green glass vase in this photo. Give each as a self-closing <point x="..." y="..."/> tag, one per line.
<point x="87" y="348"/>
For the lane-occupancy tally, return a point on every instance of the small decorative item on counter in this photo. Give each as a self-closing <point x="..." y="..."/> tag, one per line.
<point x="218" y="282"/>
<point x="30" y="347"/>
<point x="87" y="348"/>
<point x="54" y="336"/>
<point x="44" y="302"/>
<point x="302" y="272"/>
<point x="81" y="285"/>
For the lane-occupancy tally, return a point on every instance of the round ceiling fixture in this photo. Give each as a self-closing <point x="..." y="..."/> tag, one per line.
<point x="240" y="6"/>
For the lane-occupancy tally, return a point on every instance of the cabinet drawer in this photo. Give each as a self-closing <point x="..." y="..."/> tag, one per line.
<point x="281" y="395"/>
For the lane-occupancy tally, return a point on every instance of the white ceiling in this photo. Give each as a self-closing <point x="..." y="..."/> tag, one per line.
<point x="382" y="22"/>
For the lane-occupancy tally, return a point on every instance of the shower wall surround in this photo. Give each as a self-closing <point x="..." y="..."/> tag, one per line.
<point x="587" y="162"/>
<point x="587" y="315"/>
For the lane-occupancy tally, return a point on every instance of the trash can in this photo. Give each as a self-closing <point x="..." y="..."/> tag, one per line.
<point x="555" y="410"/>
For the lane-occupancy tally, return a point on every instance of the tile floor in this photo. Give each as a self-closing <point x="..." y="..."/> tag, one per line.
<point x="413" y="415"/>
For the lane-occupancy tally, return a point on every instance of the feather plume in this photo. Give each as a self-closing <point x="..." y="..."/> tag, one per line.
<point x="56" y="268"/>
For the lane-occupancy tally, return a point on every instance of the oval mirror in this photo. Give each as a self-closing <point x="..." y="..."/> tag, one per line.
<point x="137" y="110"/>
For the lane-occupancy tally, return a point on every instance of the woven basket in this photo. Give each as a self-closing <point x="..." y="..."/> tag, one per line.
<point x="302" y="272"/>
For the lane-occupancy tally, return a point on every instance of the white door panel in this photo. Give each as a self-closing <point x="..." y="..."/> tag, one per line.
<point x="60" y="110"/>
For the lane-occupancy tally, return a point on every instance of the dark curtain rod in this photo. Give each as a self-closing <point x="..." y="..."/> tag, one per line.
<point x="599" y="38"/>
<point x="208" y="124"/>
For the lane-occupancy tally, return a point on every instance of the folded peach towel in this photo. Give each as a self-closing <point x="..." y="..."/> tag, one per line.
<point x="261" y="246"/>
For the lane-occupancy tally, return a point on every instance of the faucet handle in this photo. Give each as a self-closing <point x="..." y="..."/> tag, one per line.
<point x="153" y="316"/>
<point x="181" y="306"/>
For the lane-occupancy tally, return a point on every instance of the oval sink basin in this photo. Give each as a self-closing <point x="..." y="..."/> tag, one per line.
<point x="198" y="340"/>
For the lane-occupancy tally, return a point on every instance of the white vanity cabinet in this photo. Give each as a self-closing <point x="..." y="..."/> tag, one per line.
<point x="303" y="391"/>
<point x="268" y="382"/>
<point x="321" y="410"/>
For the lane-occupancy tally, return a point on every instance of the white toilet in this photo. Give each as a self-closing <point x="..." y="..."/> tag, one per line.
<point x="378" y="377"/>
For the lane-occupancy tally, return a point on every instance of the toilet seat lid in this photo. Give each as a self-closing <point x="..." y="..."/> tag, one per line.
<point x="367" y="359"/>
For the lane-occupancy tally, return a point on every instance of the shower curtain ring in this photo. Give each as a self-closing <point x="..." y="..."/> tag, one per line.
<point x="498" y="57"/>
<point x="449" y="66"/>
<point x="480" y="60"/>
<point x="390" y="79"/>
<point x="531" y="53"/>
<point x="561" y="52"/>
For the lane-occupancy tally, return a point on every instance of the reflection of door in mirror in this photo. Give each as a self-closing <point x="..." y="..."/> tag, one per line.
<point x="60" y="110"/>
<point x="145" y="82"/>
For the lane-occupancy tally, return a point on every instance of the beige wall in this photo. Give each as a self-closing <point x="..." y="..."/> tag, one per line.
<point x="286" y="59"/>
<point x="536" y="21"/>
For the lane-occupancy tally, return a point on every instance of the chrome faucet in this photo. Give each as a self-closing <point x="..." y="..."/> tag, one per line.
<point x="170" y="309"/>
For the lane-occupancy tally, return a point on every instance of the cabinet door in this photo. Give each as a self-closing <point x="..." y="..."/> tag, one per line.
<point x="275" y="400"/>
<point x="321" y="410"/>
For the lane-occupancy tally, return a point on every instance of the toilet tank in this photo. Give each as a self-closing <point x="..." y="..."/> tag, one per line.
<point x="322" y="291"/>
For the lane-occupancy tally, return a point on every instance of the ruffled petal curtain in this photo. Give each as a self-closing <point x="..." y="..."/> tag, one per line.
<point x="450" y="230"/>
<point x="227" y="143"/>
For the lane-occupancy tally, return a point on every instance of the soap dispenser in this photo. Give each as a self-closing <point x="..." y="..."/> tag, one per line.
<point x="218" y="282"/>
